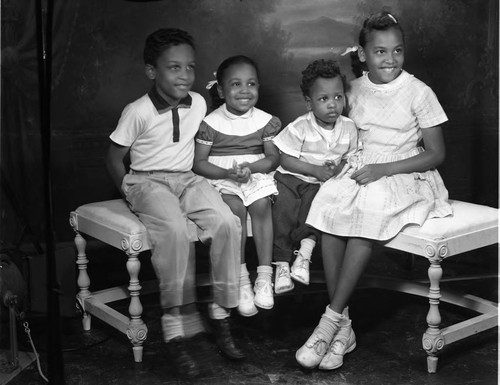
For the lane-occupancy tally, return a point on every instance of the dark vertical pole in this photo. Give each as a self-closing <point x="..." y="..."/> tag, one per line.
<point x="44" y="43"/>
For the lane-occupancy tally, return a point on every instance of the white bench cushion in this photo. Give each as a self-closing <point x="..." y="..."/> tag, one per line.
<point x="470" y="227"/>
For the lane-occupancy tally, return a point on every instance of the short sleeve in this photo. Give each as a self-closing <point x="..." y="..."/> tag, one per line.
<point x="353" y="139"/>
<point x="290" y="141"/>
<point x="428" y="110"/>
<point x="271" y="129"/>
<point x="130" y="126"/>
<point x="205" y="134"/>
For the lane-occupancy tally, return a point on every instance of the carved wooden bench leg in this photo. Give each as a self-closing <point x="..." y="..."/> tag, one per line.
<point x="433" y="340"/>
<point x="137" y="330"/>
<point x="83" y="280"/>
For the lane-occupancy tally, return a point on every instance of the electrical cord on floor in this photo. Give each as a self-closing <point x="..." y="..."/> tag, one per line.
<point x="28" y="332"/>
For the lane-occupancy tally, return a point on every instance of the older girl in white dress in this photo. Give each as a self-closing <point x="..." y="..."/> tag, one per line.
<point x="234" y="149"/>
<point x="393" y="181"/>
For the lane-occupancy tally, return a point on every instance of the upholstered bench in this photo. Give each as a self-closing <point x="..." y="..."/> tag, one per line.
<point x="113" y="223"/>
<point x="471" y="227"/>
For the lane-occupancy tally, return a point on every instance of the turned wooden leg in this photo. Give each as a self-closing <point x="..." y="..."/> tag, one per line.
<point x="432" y="340"/>
<point x="137" y="331"/>
<point x="83" y="280"/>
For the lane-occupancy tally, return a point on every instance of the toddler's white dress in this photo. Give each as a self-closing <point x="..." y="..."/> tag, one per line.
<point x="389" y="118"/>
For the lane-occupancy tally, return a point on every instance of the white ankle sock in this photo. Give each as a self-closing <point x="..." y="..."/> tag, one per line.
<point x="192" y="324"/>
<point x="345" y="320"/>
<point x="306" y="248"/>
<point x="264" y="272"/>
<point x="216" y="311"/>
<point x="329" y="324"/>
<point x="244" y="275"/>
<point x="332" y="314"/>
<point x="171" y="327"/>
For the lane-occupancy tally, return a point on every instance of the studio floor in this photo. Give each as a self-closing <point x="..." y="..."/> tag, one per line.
<point x="388" y="327"/>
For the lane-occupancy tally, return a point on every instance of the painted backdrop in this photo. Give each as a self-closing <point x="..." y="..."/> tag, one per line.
<point x="452" y="45"/>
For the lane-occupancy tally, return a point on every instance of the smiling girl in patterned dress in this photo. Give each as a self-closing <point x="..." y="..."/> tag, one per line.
<point x="234" y="149"/>
<point x="393" y="181"/>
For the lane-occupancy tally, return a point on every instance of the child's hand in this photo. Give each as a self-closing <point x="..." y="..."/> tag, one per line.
<point x="238" y="173"/>
<point x="246" y="173"/>
<point x="329" y="163"/>
<point x="369" y="173"/>
<point x="335" y="168"/>
<point x="323" y="173"/>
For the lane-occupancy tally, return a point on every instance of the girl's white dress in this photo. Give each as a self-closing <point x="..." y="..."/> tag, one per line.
<point x="389" y="118"/>
<point x="240" y="138"/>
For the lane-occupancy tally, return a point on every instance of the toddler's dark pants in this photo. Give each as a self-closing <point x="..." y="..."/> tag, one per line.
<point x="290" y="210"/>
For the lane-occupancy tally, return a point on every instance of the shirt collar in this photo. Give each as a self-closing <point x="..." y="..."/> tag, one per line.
<point x="232" y="116"/>
<point x="320" y="129"/>
<point x="162" y="105"/>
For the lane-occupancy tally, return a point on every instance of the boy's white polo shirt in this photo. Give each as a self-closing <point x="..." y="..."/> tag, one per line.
<point x="148" y="126"/>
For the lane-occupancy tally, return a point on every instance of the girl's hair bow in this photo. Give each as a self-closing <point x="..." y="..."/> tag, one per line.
<point x="211" y="83"/>
<point x="392" y="18"/>
<point x="349" y="50"/>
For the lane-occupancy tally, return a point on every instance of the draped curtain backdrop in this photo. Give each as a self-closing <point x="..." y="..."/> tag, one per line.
<point x="452" y="45"/>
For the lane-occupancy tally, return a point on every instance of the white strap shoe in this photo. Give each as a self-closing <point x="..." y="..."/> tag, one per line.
<point x="282" y="281"/>
<point x="246" y="305"/>
<point x="263" y="289"/>
<point x="300" y="269"/>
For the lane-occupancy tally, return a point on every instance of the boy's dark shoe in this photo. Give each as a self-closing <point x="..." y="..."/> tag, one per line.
<point x="224" y="339"/>
<point x="183" y="361"/>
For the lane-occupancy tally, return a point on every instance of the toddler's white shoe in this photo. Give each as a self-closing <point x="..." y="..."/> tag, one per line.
<point x="263" y="289"/>
<point x="344" y="342"/>
<point x="282" y="281"/>
<point x="246" y="305"/>
<point x="300" y="269"/>
<point x="313" y="351"/>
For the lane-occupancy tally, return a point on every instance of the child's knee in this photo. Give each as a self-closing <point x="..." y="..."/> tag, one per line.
<point x="240" y="212"/>
<point x="261" y="206"/>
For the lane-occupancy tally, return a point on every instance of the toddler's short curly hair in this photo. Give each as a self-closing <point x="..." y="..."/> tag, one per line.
<point x="319" y="69"/>
<point x="163" y="38"/>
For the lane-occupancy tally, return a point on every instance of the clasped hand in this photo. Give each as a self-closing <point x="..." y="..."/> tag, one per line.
<point x="240" y="173"/>
<point x="327" y="171"/>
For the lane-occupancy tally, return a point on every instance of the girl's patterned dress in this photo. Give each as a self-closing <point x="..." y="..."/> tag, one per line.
<point x="240" y="138"/>
<point x="390" y="118"/>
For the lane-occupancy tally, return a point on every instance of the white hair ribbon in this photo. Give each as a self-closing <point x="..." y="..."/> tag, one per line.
<point x="393" y="18"/>
<point x="211" y="83"/>
<point x="349" y="50"/>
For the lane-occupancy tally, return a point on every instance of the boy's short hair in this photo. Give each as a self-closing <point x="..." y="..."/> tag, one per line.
<point x="163" y="38"/>
<point x="319" y="69"/>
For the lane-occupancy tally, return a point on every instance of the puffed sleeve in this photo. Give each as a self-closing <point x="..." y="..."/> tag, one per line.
<point x="205" y="134"/>
<point x="271" y="129"/>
